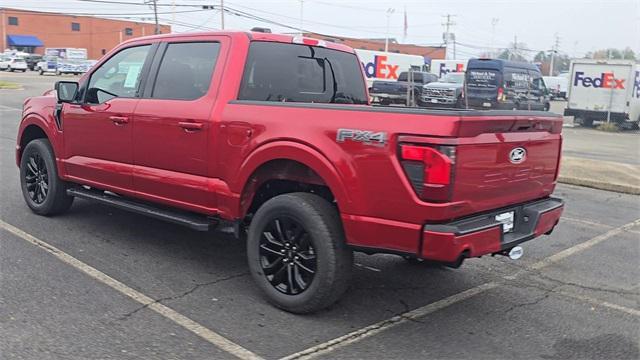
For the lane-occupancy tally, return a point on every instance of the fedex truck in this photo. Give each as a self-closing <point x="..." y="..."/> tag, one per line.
<point x="443" y="67"/>
<point x="604" y="90"/>
<point x="387" y="66"/>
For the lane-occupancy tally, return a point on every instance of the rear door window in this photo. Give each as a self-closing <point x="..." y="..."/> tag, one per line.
<point x="185" y="71"/>
<point x="301" y="73"/>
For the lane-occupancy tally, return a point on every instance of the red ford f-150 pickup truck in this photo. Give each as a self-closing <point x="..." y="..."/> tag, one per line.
<point x="273" y="136"/>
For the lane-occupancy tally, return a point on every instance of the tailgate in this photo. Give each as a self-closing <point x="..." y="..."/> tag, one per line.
<point x="510" y="161"/>
<point x="487" y="162"/>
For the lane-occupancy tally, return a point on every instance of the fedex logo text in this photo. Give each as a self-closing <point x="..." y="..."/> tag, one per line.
<point x="606" y="81"/>
<point x="636" y="86"/>
<point x="380" y="69"/>
<point x="444" y="70"/>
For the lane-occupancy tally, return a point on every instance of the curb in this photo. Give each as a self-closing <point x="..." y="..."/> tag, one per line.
<point x="595" y="184"/>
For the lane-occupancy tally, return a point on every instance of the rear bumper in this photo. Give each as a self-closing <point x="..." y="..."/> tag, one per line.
<point x="447" y="242"/>
<point x="483" y="234"/>
<point x="389" y="96"/>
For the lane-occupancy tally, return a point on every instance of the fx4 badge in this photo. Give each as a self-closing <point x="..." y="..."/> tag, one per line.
<point x="363" y="136"/>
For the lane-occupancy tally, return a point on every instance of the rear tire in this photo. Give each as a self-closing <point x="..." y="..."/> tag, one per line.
<point x="43" y="191"/>
<point x="303" y="230"/>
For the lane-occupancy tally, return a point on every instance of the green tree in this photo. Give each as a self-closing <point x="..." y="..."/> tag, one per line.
<point x="541" y="57"/>
<point x="611" y="53"/>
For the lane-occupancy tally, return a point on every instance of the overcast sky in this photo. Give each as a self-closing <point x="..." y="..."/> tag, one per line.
<point x="581" y="26"/>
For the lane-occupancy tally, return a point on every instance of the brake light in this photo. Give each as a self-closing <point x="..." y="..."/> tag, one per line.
<point x="500" y="94"/>
<point x="430" y="170"/>
<point x="308" y="41"/>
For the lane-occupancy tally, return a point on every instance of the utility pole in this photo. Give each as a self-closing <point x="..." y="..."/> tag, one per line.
<point x="515" y="47"/>
<point x="154" y="3"/>
<point x="494" y="22"/>
<point x="390" y="11"/>
<point x="447" y="35"/>
<point x="554" y="49"/>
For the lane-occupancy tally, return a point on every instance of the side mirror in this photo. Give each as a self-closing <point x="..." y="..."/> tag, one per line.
<point x="66" y="91"/>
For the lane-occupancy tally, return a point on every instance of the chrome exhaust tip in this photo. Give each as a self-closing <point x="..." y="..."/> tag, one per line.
<point x="516" y="253"/>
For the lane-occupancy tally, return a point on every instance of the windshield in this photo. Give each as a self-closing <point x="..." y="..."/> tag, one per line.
<point x="455" y="78"/>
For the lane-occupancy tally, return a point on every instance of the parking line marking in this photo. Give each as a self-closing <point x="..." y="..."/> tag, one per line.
<point x="597" y="302"/>
<point x="205" y="333"/>
<point x="357" y="335"/>
<point x="383" y="325"/>
<point x="582" y="246"/>
<point x="586" y="222"/>
<point x="9" y="108"/>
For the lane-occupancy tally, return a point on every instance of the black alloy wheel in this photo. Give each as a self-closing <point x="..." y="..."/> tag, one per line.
<point x="37" y="178"/>
<point x="297" y="252"/>
<point x="287" y="256"/>
<point x="43" y="191"/>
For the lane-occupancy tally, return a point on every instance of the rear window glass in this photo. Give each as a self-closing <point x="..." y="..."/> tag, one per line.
<point x="482" y="78"/>
<point x="301" y="73"/>
<point x="417" y="77"/>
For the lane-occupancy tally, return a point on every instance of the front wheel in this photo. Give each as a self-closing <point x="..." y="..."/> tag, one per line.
<point x="297" y="252"/>
<point x="42" y="189"/>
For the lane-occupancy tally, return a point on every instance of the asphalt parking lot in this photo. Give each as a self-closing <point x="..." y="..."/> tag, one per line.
<point x="100" y="283"/>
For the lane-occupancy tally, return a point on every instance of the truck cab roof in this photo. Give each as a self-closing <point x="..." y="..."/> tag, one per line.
<point x="255" y="36"/>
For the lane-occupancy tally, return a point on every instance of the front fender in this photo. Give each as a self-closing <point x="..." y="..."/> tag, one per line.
<point x="47" y="124"/>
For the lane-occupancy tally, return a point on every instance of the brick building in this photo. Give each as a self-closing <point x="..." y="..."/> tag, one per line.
<point x="428" y="52"/>
<point x="33" y="31"/>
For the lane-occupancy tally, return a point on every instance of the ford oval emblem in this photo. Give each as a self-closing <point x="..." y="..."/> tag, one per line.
<point x="517" y="155"/>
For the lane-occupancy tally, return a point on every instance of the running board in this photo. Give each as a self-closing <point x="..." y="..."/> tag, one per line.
<point x="190" y="220"/>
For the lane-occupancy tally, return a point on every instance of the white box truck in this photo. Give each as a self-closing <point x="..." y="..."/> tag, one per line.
<point x="387" y="66"/>
<point x="603" y="90"/>
<point x="443" y="67"/>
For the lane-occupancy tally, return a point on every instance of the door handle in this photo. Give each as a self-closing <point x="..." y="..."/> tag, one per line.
<point x="119" y="120"/>
<point x="191" y="126"/>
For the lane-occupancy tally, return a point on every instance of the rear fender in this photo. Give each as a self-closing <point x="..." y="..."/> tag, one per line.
<point x="287" y="150"/>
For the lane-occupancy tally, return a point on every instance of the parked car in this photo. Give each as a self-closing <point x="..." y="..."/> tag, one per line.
<point x="271" y="136"/>
<point x="48" y="64"/>
<point x="32" y="61"/>
<point x="13" y="64"/>
<point x="4" y="62"/>
<point x="557" y="86"/>
<point x="502" y="84"/>
<point x="447" y="92"/>
<point x="395" y="92"/>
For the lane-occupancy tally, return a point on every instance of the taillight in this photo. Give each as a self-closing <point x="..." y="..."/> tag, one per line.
<point x="500" y="94"/>
<point x="430" y="170"/>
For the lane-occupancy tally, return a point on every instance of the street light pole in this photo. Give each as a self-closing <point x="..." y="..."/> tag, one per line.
<point x="386" y="39"/>
<point x="301" y="17"/>
<point x="222" y="14"/>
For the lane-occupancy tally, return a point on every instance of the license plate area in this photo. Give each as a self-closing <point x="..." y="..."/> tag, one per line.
<point x="486" y="104"/>
<point x="507" y="221"/>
